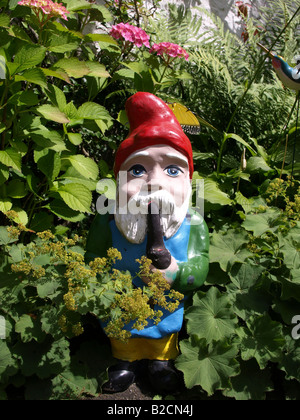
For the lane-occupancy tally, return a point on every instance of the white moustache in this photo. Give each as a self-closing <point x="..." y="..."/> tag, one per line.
<point x="139" y="202"/>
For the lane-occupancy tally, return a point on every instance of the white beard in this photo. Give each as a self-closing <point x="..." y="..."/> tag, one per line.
<point x="133" y="224"/>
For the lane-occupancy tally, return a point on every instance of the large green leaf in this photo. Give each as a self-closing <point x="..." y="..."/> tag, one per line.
<point x="290" y="247"/>
<point x="29" y="56"/>
<point x="52" y="113"/>
<point x="93" y="111"/>
<point x="252" y="383"/>
<point x="46" y="359"/>
<point x="211" y="316"/>
<point x="261" y="223"/>
<point x="211" y="192"/>
<point x="34" y="75"/>
<point x="263" y="340"/>
<point x="60" y="209"/>
<point x="73" y="67"/>
<point x="7" y="362"/>
<point x="85" y="166"/>
<point x="210" y="366"/>
<point x="229" y="248"/>
<point x="48" y="161"/>
<point x="76" y="196"/>
<point x="30" y="329"/>
<point x="11" y="158"/>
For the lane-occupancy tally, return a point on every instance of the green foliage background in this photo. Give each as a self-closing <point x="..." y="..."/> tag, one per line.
<point x="61" y="119"/>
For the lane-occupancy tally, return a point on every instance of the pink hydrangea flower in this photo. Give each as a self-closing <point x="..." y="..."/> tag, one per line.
<point x="171" y="50"/>
<point x="48" y="7"/>
<point x="130" y="33"/>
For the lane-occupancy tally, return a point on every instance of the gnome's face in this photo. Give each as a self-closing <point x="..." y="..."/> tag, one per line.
<point x="156" y="173"/>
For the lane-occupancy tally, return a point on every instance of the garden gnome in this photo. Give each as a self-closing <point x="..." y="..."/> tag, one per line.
<point x="153" y="168"/>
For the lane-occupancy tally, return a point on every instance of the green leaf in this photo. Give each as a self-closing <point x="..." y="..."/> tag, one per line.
<point x="57" y="97"/>
<point x="97" y="69"/>
<point x="290" y="247"/>
<point x="229" y="248"/>
<point x="210" y="366"/>
<point x="48" y="139"/>
<point x="240" y="140"/>
<point x="261" y="223"/>
<point x="5" y="237"/>
<point x="244" y="276"/>
<point x="211" y="316"/>
<point x="93" y="111"/>
<point x="73" y="67"/>
<point x="21" y="216"/>
<point x="212" y="193"/>
<point x="252" y="383"/>
<point x="48" y="161"/>
<point x="52" y="113"/>
<point x="60" y="209"/>
<point x="85" y="166"/>
<point x="16" y="189"/>
<point x="263" y="340"/>
<point x="45" y="360"/>
<point x="34" y="75"/>
<point x="76" y="196"/>
<point x="4" y="173"/>
<point x="62" y="42"/>
<point x="29" y="56"/>
<point x="11" y="158"/>
<point x="257" y="164"/>
<point x="30" y="329"/>
<point x="7" y="363"/>
<point x="5" y="205"/>
<point x="75" y="138"/>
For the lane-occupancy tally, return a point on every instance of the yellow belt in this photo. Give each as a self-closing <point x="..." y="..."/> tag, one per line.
<point x="146" y="348"/>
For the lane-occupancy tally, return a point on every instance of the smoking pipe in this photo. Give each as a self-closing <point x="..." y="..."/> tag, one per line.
<point x="156" y="250"/>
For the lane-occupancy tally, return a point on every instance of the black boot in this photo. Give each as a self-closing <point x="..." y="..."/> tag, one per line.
<point x="120" y="377"/>
<point x="164" y="378"/>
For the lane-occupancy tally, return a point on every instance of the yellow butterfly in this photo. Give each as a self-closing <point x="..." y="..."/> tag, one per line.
<point x="186" y="118"/>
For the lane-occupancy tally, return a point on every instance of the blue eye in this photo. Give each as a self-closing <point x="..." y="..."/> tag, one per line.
<point x="173" y="170"/>
<point x="137" y="170"/>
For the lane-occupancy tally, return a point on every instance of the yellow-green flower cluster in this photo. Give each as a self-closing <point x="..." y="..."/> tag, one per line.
<point x="140" y="305"/>
<point x="289" y="192"/>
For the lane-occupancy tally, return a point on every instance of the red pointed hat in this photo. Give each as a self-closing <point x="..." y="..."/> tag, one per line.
<point x="152" y="123"/>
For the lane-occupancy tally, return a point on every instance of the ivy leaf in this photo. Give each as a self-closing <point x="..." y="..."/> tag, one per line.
<point x="209" y="365"/>
<point x="211" y="316"/>
<point x="263" y="340"/>
<point x="229" y="248"/>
